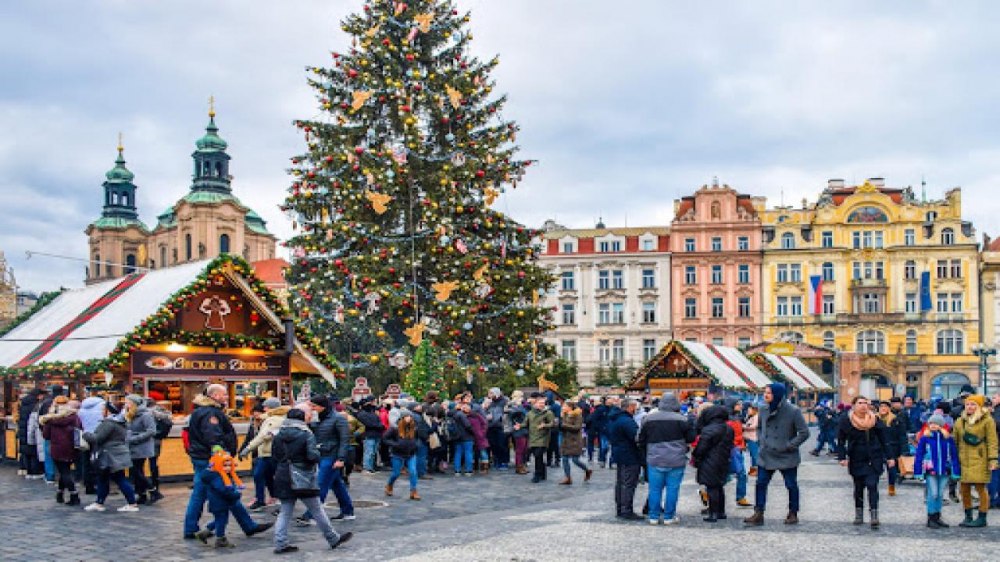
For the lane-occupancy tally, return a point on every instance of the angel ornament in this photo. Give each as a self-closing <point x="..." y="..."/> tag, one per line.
<point x="372" y="301"/>
<point x="215" y="310"/>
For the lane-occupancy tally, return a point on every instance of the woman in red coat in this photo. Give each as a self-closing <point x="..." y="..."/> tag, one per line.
<point x="479" y="439"/>
<point x="58" y="427"/>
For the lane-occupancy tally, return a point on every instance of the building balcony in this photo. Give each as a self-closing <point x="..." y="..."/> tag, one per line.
<point x="789" y="320"/>
<point x="869" y="284"/>
<point x="871" y="317"/>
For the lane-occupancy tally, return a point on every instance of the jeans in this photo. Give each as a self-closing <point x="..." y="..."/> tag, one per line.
<point x="994" y="488"/>
<point x="421" y="459"/>
<point x="664" y="478"/>
<point x="602" y="454"/>
<point x="285" y="517"/>
<point x="741" y="478"/>
<point x="552" y="456"/>
<point x="104" y="486"/>
<point x="240" y="513"/>
<point x="219" y="521"/>
<point x="626" y="479"/>
<point x="893" y="475"/>
<point x="463" y="451"/>
<point x="753" y="448"/>
<point x="65" y="476"/>
<point x="263" y="478"/>
<point x="538" y="453"/>
<point x="825" y="436"/>
<point x="50" y="465"/>
<point x="397" y="469"/>
<point x="333" y="479"/>
<point x="861" y="483"/>
<point x="575" y="459"/>
<point x="154" y="472"/>
<point x="498" y="446"/>
<point x="371" y="452"/>
<point x="936" y="485"/>
<point x="790" y="475"/>
<point x="138" y="476"/>
<point x="196" y="503"/>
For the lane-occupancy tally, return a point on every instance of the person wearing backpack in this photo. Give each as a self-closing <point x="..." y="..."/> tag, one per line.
<point x="59" y="427"/>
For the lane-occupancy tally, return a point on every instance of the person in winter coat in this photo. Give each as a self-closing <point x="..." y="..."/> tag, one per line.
<point x="597" y="424"/>
<point x="552" y="457"/>
<point x="711" y="458"/>
<point x="263" y="470"/>
<point x="495" y="433"/>
<point x="141" y="434"/>
<point x="480" y="440"/>
<point x="571" y="447"/>
<point x="750" y="436"/>
<point x="738" y="464"/>
<point x="208" y="426"/>
<point x="164" y="421"/>
<point x="402" y="442"/>
<point x="59" y="427"/>
<point x="460" y="430"/>
<point x="91" y="413"/>
<point x="109" y="444"/>
<point x="664" y="438"/>
<point x="895" y="439"/>
<point x="539" y="422"/>
<point x="295" y="445"/>
<point x="517" y="416"/>
<point x="781" y="431"/>
<point x="374" y="428"/>
<point x="936" y="462"/>
<point x="976" y="438"/>
<point x="864" y="450"/>
<point x="622" y="431"/>
<point x="36" y="444"/>
<point x="333" y="435"/>
<point x="29" y="466"/>
<point x="224" y="488"/>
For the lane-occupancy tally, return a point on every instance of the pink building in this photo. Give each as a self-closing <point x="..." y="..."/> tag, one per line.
<point x="715" y="243"/>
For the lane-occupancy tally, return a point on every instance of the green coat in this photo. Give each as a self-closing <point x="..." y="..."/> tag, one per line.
<point x="572" y="434"/>
<point x="539" y="427"/>
<point x="975" y="459"/>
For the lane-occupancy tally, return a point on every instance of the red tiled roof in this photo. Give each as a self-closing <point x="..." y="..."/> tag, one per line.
<point x="995" y="245"/>
<point x="271" y="272"/>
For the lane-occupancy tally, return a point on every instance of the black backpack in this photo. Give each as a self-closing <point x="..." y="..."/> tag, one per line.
<point x="163" y="426"/>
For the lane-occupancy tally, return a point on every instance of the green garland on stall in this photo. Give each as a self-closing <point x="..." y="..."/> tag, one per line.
<point x="157" y="327"/>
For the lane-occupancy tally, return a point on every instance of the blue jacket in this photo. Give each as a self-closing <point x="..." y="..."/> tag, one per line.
<point x="622" y="431"/>
<point x="220" y="496"/>
<point x="940" y="452"/>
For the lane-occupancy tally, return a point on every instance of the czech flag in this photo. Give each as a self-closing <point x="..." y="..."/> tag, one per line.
<point x="815" y="294"/>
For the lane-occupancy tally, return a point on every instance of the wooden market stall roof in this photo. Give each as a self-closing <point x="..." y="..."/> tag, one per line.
<point x="793" y="370"/>
<point x="85" y="331"/>
<point x="727" y="366"/>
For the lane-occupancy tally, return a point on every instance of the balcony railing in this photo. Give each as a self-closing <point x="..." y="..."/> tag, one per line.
<point x="868" y="283"/>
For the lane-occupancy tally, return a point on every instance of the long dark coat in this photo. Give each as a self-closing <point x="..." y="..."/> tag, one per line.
<point x="715" y="445"/>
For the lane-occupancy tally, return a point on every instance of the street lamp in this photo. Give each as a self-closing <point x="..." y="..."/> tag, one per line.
<point x="983" y="352"/>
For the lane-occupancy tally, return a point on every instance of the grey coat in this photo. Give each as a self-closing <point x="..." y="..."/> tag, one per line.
<point x="496" y="410"/>
<point x="109" y="445"/>
<point x="141" y="431"/>
<point x="780" y="435"/>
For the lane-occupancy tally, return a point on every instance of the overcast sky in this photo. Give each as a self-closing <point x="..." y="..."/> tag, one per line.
<point x="627" y="105"/>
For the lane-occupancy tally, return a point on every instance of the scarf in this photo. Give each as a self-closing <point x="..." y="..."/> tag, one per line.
<point x="888" y="418"/>
<point x="862" y="423"/>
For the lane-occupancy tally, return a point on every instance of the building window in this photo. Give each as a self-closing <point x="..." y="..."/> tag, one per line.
<point x="744" y="307"/>
<point x="97" y="265"/>
<point x="956" y="269"/>
<point x="567" y="248"/>
<point x="931" y="216"/>
<point x="871" y="341"/>
<point x="795" y="272"/>
<point x="791" y="337"/>
<point x="716" y="244"/>
<point x="718" y="341"/>
<point x="947" y="237"/>
<point x="618" y="313"/>
<point x="826" y="239"/>
<point x="604" y="313"/>
<point x="648" y="349"/>
<point x="129" y="264"/>
<point x="956" y="302"/>
<point x="648" y="245"/>
<point x="163" y="256"/>
<point x="829" y="305"/>
<point x="788" y="241"/>
<point x="796" y="306"/>
<point x="648" y="312"/>
<point x="743" y="273"/>
<point x="782" y="273"/>
<point x="942" y="269"/>
<point x="942" y="302"/>
<point x="648" y="279"/>
<point x="224" y="244"/>
<point x="743" y="342"/>
<point x="188" y="250"/>
<point x="569" y="350"/>
<point x="569" y="314"/>
<point x="911" y="303"/>
<point x="827" y="271"/>
<point x="829" y="340"/>
<point x="871" y="303"/>
<point x="910" y="270"/>
<point x="603" y="279"/>
<point x="690" y="308"/>
<point x="604" y="351"/>
<point x="689" y="244"/>
<point x="911" y="342"/>
<point x="717" y="307"/>
<point x="568" y="281"/>
<point x="782" y="308"/>
<point x="690" y="275"/>
<point x="743" y="243"/>
<point x="608" y="246"/>
<point x="618" y="352"/>
<point x="617" y="279"/>
<point x="909" y="237"/>
<point x="869" y="270"/>
<point x="950" y="342"/>
<point x="717" y="274"/>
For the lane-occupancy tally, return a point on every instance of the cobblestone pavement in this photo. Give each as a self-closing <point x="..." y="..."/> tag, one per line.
<point x="504" y="517"/>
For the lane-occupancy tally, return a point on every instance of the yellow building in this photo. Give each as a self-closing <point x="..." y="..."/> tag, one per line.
<point x="872" y="271"/>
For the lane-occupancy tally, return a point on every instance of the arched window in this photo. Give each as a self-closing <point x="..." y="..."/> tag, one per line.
<point x="950" y="342"/>
<point x="911" y="342"/>
<point x="827" y="271"/>
<point x="224" y="244"/>
<point x="871" y="341"/>
<point x="788" y="241"/>
<point x="163" y="256"/>
<point x="829" y="340"/>
<point x="218" y="169"/>
<point x="114" y="197"/>
<point x="947" y="237"/>
<point x="188" y="250"/>
<point x="97" y="265"/>
<point x="791" y="337"/>
<point x="129" y="264"/>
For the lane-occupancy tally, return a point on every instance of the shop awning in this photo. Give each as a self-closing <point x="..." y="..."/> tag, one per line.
<point x="796" y="372"/>
<point x="727" y="365"/>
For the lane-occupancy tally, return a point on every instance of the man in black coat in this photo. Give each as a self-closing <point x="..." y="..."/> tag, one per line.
<point x="208" y="426"/>
<point x="333" y="438"/>
<point x="622" y="431"/>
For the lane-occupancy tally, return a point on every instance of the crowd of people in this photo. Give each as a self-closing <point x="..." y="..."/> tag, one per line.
<point x="301" y="452"/>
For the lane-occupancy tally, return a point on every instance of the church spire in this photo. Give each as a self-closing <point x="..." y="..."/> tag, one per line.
<point x="211" y="162"/>
<point x="119" y="191"/>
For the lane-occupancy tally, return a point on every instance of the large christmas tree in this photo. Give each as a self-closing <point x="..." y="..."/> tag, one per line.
<point x="396" y="241"/>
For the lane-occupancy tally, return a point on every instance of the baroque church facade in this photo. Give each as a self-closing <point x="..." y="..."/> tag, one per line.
<point x="208" y="221"/>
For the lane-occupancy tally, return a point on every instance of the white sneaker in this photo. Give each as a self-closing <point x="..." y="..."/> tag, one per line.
<point x="672" y="521"/>
<point x="95" y="507"/>
<point x="128" y="508"/>
<point x="654" y="521"/>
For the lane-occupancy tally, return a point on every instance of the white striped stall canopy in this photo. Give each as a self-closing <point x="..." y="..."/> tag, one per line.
<point x="796" y="372"/>
<point x="727" y="365"/>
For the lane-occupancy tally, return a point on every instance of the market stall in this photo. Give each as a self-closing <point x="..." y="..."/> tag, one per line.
<point x="699" y="369"/>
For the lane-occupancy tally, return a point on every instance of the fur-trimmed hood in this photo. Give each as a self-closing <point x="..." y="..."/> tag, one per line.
<point x="280" y="411"/>
<point x="60" y="411"/>
<point x="202" y="400"/>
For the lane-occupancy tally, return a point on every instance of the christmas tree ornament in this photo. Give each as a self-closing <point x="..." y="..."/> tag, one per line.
<point x="379" y="201"/>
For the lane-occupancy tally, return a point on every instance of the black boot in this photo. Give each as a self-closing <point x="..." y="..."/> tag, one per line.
<point x="941" y="524"/>
<point x="155" y="496"/>
<point x="859" y="516"/>
<point x="142" y="499"/>
<point x="875" y="521"/>
<point x="74" y="499"/>
<point x="59" y="497"/>
<point x="968" y="519"/>
<point x="711" y="518"/>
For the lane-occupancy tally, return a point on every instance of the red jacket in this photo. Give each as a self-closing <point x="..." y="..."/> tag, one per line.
<point x="738" y="441"/>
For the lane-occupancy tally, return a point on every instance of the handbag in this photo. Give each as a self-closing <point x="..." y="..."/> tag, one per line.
<point x="79" y="443"/>
<point x="971" y="439"/>
<point x="303" y="480"/>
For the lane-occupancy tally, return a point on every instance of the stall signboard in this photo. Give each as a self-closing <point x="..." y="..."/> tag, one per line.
<point x="165" y="363"/>
<point x="361" y="389"/>
<point x="683" y="383"/>
<point x="393" y="391"/>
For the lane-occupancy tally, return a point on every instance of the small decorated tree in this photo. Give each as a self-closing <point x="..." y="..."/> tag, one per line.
<point x="425" y="372"/>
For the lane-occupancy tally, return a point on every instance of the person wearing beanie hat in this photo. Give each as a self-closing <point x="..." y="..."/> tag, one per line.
<point x="333" y="436"/>
<point x="263" y="466"/>
<point x="781" y="430"/>
<point x="936" y="463"/>
<point x="224" y="487"/>
<point x="976" y="437"/>
<point x="665" y="436"/>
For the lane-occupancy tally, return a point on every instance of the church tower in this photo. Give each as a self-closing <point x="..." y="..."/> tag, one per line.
<point x="118" y="238"/>
<point x="211" y="162"/>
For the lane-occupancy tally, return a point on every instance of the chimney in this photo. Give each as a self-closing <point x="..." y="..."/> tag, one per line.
<point x="834" y="183"/>
<point x="877" y="182"/>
